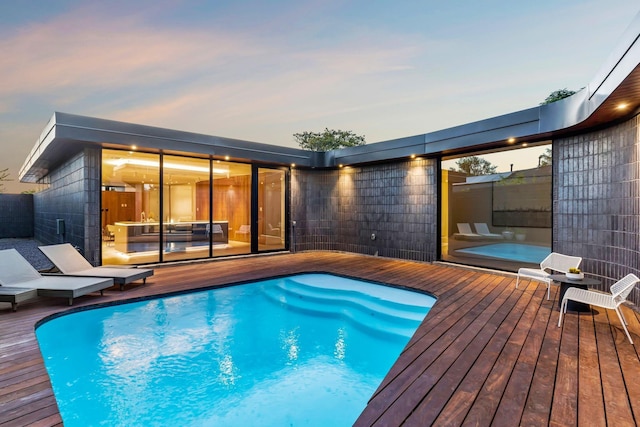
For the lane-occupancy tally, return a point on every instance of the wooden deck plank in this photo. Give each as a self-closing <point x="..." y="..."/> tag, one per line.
<point x="565" y="392"/>
<point x="487" y="346"/>
<point x="480" y="394"/>
<point x="527" y="397"/>
<point x="458" y="356"/>
<point x="486" y="353"/>
<point x="616" y="401"/>
<point x="590" y="399"/>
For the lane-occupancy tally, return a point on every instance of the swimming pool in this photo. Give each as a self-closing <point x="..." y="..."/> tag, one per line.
<point x="302" y="350"/>
<point x="510" y="252"/>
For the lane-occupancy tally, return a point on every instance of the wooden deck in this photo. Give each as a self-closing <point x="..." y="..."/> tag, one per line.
<point x="487" y="353"/>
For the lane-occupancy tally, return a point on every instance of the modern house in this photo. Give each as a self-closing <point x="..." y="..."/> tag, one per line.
<point x="134" y="194"/>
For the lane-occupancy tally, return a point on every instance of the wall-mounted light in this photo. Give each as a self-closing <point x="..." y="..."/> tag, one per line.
<point x="340" y="165"/>
<point x="293" y="165"/>
<point x="413" y="156"/>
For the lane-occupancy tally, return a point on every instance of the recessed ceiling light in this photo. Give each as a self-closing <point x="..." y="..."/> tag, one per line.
<point x="622" y="106"/>
<point x="511" y="140"/>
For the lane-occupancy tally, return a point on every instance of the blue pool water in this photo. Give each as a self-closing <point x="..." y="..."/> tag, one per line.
<point x="510" y="252"/>
<point x="303" y="350"/>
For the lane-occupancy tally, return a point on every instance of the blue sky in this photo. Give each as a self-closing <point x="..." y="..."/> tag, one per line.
<point x="263" y="70"/>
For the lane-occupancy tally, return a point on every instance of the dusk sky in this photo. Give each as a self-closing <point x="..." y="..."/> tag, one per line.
<point x="263" y="70"/>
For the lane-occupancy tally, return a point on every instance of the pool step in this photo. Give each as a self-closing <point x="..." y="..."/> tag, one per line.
<point x="363" y="310"/>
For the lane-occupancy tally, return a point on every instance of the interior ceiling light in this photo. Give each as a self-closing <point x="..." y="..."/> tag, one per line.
<point x="511" y="140"/>
<point x="622" y="106"/>
<point x="120" y="163"/>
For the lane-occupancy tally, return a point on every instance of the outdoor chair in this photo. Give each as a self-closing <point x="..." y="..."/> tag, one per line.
<point x="17" y="272"/>
<point x="553" y="262"/>
<point x="464" y="232"/>
<point x="244" y="231"/>
<point x="71" y="263"/>
<point x="483" y="230"/>
<point x="612" y="300"/>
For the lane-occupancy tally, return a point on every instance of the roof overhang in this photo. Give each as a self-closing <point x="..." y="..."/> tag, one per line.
<point x="66" y="134"/>
<point x="599" y="104"/>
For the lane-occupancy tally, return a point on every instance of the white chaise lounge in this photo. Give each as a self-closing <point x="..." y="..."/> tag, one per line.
<point x="553" y="262"/>
<point x="483" y="230"/>
<point x="16" y="272"/>
<point x="71" y="263"/>
<point x="465" y="233"/>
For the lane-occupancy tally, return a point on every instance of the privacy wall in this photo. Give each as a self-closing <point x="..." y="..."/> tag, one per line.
<point x="596" y="201"/>
<point x="16" y="215"/>
<point x="386" y="210"/>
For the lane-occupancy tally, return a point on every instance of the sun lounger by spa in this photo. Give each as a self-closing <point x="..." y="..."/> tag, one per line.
<point x="465" y="233"/>
<point x="16" y="272"/>
<point x="483" y="230"/>
<point x="71" y="263"/>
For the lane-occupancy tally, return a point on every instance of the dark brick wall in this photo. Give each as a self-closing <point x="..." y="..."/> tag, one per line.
<point x="341" y="209"/>
<point x="73" y="196"/>
<point x="596" y="201"/>
<point x="16" y="215"/>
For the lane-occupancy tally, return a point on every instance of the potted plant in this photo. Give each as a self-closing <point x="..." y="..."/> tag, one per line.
<point x="575" y="274"/>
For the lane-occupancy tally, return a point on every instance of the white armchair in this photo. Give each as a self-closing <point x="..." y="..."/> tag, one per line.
<point x="619" y="293"/>
<point x="553" y="262"/>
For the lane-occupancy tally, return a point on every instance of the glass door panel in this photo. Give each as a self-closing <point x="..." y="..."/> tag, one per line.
<point x="231" y="208"/>
<point x="186" y="225"/>
<point x="271" y="209"/>
<point x="130" y="207"/>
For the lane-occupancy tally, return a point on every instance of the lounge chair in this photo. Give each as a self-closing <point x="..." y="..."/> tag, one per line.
<point x="553" y="262"/>
<point x="244" y="230"/>
<point x="619" y="292"/>
<point x="71" y="263"/>
<point x="483" y="230"/>
<point x="465" y="233"/>
<point x="16" y="272"/>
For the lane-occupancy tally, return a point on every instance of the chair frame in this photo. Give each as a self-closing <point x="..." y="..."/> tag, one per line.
<point x="619" y="293"/>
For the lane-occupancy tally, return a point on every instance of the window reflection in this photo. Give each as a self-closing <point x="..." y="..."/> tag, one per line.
<point x="494" y="214"/>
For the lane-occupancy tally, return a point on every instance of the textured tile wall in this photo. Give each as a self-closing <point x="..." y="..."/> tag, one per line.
<point x="596" y="201"/>
<point x="342" y="209"/>
<point x="73" y="196"/>
<point x="16" y="215"/>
